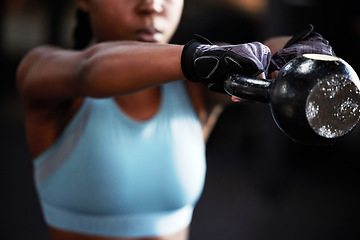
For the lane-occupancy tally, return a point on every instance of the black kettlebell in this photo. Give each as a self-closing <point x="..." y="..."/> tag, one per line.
<point x="315" y="98"/>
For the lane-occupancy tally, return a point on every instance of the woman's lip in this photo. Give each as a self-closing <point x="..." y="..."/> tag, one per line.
<point x="149" y="35"/>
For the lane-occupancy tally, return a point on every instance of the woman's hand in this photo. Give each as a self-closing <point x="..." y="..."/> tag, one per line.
<point x="210" y="64"/>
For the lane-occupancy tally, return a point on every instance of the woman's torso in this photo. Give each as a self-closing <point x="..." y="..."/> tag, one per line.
<point x="128" y="173"/>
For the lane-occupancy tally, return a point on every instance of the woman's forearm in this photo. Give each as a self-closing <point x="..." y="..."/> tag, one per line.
<point x="124" y="67"/>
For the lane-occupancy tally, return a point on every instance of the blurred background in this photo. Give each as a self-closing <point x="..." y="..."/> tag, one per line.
<point x="260" y="185"/>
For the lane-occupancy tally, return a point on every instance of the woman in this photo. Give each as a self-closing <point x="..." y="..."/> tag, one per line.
<point x="117" y="139"/>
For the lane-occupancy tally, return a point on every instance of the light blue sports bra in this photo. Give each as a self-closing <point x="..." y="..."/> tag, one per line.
<point x="110" y="175"/>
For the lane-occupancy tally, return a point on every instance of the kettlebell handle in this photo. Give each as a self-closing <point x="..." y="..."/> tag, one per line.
<point x="249" y="88"/>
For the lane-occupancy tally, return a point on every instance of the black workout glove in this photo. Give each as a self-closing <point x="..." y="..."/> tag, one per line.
<point x="210" y="64"/>
<point x="306" y="41"/>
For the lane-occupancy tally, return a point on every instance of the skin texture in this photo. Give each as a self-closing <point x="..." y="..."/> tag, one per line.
<point x="61" y="235"/>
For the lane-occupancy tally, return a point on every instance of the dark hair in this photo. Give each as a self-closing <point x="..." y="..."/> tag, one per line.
<point x="82" y="34"/>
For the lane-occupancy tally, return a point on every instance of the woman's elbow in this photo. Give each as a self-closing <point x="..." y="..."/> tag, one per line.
<point x="88" y="78"/>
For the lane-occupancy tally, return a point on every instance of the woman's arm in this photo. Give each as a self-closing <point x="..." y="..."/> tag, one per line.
<point x="49" y="75"/>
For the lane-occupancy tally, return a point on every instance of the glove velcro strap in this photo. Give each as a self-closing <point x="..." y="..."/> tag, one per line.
<point x="300" y="35"/>
<point x="306" y="33"/>
<point x="187" y="60"/>
<point x="188" y="55"/>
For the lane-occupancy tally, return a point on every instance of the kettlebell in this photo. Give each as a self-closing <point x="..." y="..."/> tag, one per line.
<point x="314" y="99"/>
